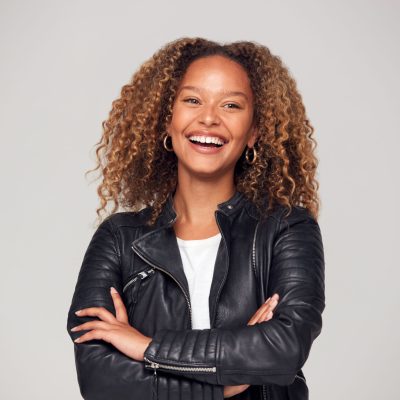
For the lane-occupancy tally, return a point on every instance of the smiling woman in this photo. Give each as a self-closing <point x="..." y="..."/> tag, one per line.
<point x="210" y="151"/>
<point x="212" y="118"/>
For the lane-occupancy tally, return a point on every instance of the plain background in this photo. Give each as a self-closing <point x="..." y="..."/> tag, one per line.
<point x="62" y="65"/>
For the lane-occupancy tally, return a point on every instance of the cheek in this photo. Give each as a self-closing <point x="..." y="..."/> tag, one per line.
<point x="239" y="125"/>
<point x="180" y="115"/>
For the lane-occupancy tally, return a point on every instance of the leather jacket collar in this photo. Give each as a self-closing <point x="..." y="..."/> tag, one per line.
<point x="228" y="207"/>
<point x="159" y="246"/>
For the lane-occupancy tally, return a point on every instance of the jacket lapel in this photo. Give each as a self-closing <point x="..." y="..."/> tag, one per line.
<point x="221" y="266"/>
<point x="159" y="247"/>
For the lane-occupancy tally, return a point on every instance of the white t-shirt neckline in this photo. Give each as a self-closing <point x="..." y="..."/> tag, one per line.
<point x="198" y="261"/>
<point x="199" y="242"/>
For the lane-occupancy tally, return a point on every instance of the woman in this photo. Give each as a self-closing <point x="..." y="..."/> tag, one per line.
<point x="210" y="149"/>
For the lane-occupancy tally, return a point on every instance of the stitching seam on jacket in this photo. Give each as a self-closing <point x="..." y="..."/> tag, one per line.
<point x="115" y="239"/>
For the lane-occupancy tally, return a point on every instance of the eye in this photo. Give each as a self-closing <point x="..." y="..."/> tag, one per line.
<point x="190" y="100"/>
<point x="233" y="105"/>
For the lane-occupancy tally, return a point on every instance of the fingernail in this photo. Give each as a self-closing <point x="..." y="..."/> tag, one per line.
<point x="112" y="290"/>
<point x="74" y="329"/>
<point x="267" y="299"/>
<point x="77" y="339"/>
<point x="78" y="312"/>
<point x="269" y="314"/>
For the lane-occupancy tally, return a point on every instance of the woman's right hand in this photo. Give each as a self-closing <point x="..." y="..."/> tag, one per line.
<point x="264" y="313"/>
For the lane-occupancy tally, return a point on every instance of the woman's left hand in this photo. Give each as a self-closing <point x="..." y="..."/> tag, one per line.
<point x="114" y="330"/>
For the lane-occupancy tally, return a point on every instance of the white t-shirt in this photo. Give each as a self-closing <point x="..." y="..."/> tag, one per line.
<point x="198" y="259"/>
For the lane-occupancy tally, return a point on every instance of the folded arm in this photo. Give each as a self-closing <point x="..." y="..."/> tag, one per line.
<point x="103" y="371"/>
<point x="269" y="352"/>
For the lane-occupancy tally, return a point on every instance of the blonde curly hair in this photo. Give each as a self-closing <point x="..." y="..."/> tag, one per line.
<point x="138" y="172"/>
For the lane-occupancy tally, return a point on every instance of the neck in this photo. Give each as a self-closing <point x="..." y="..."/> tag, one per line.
<point x="195" y="201"/>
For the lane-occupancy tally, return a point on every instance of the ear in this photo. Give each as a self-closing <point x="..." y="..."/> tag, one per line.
<point x="253" y="137"/>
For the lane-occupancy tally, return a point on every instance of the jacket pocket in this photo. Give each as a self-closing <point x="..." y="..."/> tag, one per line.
<point x="131" y="290"/>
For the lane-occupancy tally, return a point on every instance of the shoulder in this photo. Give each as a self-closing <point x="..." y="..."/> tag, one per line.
<point x="282" y="220"/>
<point x="299" y="230"/>
<point x="132" y="219"/>
<point x="297" y="214"/>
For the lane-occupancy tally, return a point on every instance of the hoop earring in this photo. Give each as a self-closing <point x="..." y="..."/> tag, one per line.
<point x="165" y="144"/>
<point x="254" y="155"/>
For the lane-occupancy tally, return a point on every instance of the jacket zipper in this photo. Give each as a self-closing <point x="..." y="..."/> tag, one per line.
<point x="156" y="365"/>
<point x="142" y="275"/>
<point x="264" y="393"/>
<point x="136" y="282"/>
<point x="166" y="272"/>
<point x="223" y="281"/>
<point x="153" y="364"/>
<point x="254" y="250"/>
<point x="265" y="388"/>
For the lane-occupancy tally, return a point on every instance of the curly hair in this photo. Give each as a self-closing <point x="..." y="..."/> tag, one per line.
<point x="138" y="172"/>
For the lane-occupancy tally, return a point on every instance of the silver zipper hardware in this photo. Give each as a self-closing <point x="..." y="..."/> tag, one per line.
<point x="226" y="273"/>
<point x="152" y="364"/>
<point x="142" y="275"/>
<point x="183" y="290"/>
<point x="264" y="392"/>
<point x="166" y="272"/>
<point x="254" y="249"/>
<point x="156" y="365"/>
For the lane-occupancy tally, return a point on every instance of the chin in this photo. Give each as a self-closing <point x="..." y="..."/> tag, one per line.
<point x="203" y="171"/>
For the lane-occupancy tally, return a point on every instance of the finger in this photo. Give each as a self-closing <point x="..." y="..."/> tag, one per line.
<point x="100" y="312"/>
<point x="94" y="334"/>
<point x="275" y="296"/>
<point x="91" y="325"/>
<point x="268" y="306"/>
<point x="268" y="313"/>
<point x="266" y="316"/>
<point x="260" y="311"/>
<point x="119" y="305"/>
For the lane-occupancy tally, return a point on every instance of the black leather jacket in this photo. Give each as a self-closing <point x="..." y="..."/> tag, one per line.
<point x="284" y="254"/>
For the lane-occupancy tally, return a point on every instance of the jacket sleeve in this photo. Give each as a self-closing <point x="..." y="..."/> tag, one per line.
<point x="103" y="371"/>
<point x="270" y="352"/>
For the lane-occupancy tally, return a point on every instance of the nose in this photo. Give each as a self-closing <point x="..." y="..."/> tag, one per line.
<point x="209" y="115"/>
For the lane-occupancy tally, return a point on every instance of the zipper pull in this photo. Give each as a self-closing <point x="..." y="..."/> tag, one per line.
<point x="145" y="274"/>
<point x="154" y="365"/>
<point x="155" y="381"/>
<point x="142" y="275"/>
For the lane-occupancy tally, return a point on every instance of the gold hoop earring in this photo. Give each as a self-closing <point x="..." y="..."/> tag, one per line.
<point x="254" y="155"/>
<point x="165" y="144"/>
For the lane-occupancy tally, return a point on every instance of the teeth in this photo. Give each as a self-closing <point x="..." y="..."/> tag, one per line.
<point x="206" y="139"/>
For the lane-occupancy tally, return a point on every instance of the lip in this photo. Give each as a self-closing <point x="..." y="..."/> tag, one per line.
<point x="207" y="134"/>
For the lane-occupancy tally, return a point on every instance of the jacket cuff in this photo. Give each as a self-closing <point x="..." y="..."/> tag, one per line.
<point x="178" y="352"/>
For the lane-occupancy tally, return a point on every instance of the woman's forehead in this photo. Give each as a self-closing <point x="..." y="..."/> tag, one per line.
<point x="216" y="74"/>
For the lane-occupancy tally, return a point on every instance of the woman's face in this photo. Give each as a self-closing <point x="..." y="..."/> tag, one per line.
<point x="214" y="100"/>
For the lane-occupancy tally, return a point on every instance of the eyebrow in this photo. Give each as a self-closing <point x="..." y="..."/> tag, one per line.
<point x="226" y="93"/>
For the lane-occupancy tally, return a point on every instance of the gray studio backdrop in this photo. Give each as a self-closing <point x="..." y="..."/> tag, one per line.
<point x="64" y="62"/>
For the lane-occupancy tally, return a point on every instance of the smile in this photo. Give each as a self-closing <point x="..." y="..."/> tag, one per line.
<point x="207" y="141"/>
<point x="206" y="145"/>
